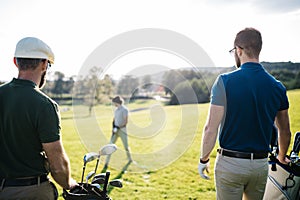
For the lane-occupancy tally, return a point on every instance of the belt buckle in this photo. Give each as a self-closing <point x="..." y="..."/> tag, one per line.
<point x="220" y="150"/>
<point x="38" y="180"/>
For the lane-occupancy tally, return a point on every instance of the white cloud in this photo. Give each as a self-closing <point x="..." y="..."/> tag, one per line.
<point x="262" y="6"/>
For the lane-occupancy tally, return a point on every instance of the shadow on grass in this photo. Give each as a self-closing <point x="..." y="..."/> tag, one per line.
<point x="119" y="176"/>
<point x="76" y="117"/>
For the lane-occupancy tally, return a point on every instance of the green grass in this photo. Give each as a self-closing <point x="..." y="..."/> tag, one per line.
<point x="178" y="180"/>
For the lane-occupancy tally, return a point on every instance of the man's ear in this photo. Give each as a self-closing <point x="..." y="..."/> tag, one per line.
<point x="44" y="66"/>
<point x="15" y="61"/>
<point x="239" y="52"/>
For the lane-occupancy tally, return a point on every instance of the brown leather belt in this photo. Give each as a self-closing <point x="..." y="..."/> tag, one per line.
<point x="243" y="155"/>
<point x="23" y="181"/>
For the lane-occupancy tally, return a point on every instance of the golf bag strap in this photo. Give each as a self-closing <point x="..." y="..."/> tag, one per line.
<point x="280" y="187"/>
<point x="291" y="177"/>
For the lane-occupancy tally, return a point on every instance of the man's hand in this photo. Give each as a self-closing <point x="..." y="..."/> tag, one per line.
<point x="203" y="166"/>
<point x="283" y="159"/>
<point x="115" y="128"/>
<point x="72" y="184"/>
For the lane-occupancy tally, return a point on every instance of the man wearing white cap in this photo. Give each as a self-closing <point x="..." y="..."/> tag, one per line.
<point x="30" y="142"/>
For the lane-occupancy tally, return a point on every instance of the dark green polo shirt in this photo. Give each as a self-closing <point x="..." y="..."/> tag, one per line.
<point x="28" y="118"/>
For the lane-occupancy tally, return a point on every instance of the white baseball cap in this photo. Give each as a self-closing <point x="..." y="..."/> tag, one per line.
<point x="31" y="47"/>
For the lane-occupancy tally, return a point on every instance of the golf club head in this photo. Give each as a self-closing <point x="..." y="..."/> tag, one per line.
<point x="107" y="149"/>
<point x="296" y="146"/>
<point x="89" y="176"/>
<point x="294" y="158"/>
<point x="102" y="175"/>
<point x="99" y="181"/>
<point x="96" y="185"/>
<point x="90" y="157"/>
<point x="116" y="183"/>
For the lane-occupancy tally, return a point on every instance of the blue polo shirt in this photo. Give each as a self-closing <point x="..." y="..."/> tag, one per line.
<point x="251" y="98"/>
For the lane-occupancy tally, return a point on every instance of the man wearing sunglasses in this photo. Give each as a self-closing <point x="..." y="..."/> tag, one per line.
<point x="30" y="141"/>
<point x="244" y="105"/>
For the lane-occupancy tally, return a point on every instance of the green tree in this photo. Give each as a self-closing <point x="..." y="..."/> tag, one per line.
<point x="297" y="81"/>
<point x="128" y="86"/>
<point x="201" y="90"/>
<point x="146" y="82"/>
<point x="171" y="79"/>
<point x="58" y="83"/>
<point x="105" y="89"/>
<point x="92" y="89"/>
<point x="190" y="92"/>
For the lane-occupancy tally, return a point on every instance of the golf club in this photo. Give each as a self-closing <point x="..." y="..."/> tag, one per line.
<point x="99" y="184"/>
<point x="99" y="181"/>
<point x="88" y="158"/>
<point x="96" y="185"/>
<point x="296" y="146"/>
<point x="294" y="158"/>
<point x="116" y="183"/>
<point x="105" y="150"/>
<point x="102" y="175"/>
<point x="89" y="176"/>
<point x="106" y="182"/>
<point x="274" y="148"/>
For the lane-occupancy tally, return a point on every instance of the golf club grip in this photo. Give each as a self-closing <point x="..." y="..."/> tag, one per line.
<point x="83" y="170"/>
<point x="296" y="146"/>
<point x="273" y="167"/>
<point x="97" y="163"/>
<point x="274" y="138"/>
<point x="106" y="182"/>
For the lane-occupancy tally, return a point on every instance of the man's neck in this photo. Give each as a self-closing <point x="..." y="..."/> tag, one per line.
<point x="30" y="75"/>
<point x="254" y="60"/>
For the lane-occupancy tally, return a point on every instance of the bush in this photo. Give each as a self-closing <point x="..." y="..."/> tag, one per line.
<point x="190" y="92"/>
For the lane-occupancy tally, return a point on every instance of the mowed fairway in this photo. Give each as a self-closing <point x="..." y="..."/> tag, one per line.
<point x="178" y="180"/>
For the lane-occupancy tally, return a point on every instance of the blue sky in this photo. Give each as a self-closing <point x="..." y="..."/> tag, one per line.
<point x="73" y="29"/>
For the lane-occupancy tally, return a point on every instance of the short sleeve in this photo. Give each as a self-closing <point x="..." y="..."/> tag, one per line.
<point x="49" y="123"/>
<point x="125" y="112"/>
<point x="218" y="94"/>
<point x="284" y="102"/>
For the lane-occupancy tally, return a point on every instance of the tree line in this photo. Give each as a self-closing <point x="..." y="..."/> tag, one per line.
<point x="180" y="86"/>
<point x="287" y="72"/>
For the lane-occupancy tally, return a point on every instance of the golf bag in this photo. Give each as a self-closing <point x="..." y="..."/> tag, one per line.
<point x="283" y="180"/>
<point x="85" y="192"/>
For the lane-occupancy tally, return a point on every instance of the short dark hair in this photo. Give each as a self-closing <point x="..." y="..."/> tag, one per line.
<point x="118" y="100"/>
<point x="29" y="63"/>
<point x="250" y="41"/>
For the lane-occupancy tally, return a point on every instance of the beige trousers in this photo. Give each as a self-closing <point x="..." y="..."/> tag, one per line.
<point x="124" y="138"/>
<point x="44" y="191"/>
<point x="238" y="179"/>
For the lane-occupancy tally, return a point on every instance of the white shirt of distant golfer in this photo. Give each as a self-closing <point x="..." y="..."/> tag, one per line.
<point x="121" y="117"/>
